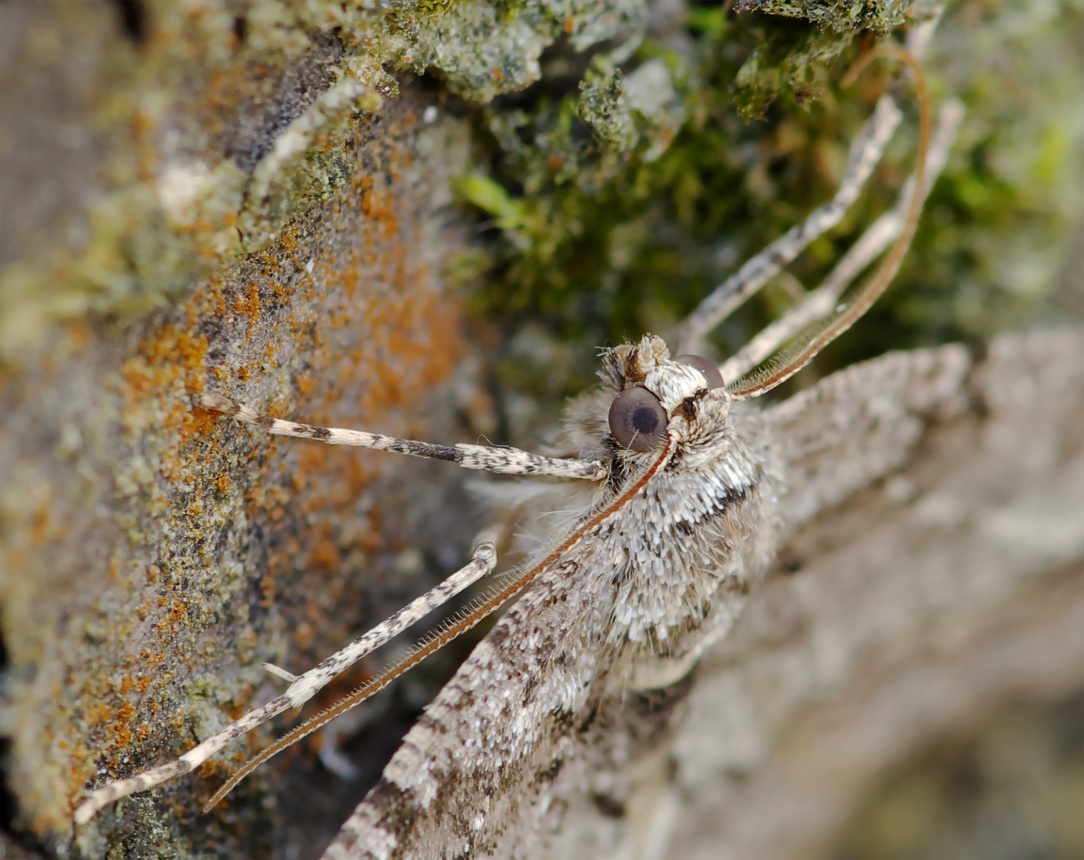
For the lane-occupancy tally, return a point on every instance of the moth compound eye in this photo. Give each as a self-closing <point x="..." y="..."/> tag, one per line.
<point x="708" y="368"/>
<point x="637" y="419"/>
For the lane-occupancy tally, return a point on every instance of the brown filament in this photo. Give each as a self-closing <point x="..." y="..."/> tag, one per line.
<point x="785" y="366"/>
<point x="474" y="617"/>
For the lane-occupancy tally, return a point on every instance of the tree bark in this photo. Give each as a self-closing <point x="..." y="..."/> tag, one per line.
<point x="197" y="199"/>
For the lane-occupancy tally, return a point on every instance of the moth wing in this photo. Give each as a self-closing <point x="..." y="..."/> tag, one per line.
<point x="864" y="423"/>
<point x="491" y="767"/>
<point x="485" y="769"/>
<point x="858" y="425"/>
<point x="926" y="606"/>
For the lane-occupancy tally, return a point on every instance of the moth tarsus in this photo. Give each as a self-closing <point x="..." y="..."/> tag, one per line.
<point x="482" y="458"/>
<point x="302" y="687"/>
<point x="885" y="230"/>
<point x="674" y="520"/>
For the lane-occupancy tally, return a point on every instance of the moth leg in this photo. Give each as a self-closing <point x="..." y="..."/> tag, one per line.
<point x="819" y="303"/>
<point x="484" y="458"/>
<point x="864" y="154"/>
<point x="330" y="755"/>
<point x="280" y="673"/>
<point x="302" y="687"/>
<point x="353" y="722"/>
<point x="509" y="587"/>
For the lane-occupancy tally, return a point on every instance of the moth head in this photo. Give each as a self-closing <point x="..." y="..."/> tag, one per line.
<point x="653" y="388"/>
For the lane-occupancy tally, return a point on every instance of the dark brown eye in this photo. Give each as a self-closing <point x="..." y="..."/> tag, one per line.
<point x="637" y="419"/>
<point x="708" y="368"/>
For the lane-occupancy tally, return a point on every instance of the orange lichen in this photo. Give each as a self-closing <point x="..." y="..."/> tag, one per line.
<point x="99" y="714"/>
<point x="213" y="767"/>
<point x="359" y="339"/>
<point x="325" y="555"/>
<point x="120" y="726"/>
<point x="203" y="422"/>
<point x="267" y="589"/>
<point x="369" y="202"/>
<point x="371" y="541"/>
<point x="248" y="303"/>
<point x="287" y="242"/>
<point x="170" y="355"/>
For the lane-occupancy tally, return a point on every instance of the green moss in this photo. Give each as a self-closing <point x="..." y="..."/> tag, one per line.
<point x="619" y="200"/>
<point x="611" y="221"/>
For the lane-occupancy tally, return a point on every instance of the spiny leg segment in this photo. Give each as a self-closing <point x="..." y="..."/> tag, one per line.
<point x="819" y="304"/>
<point x="484" y="458"/>
<point x="865" y="153"/>
<point x="302" y="687"/>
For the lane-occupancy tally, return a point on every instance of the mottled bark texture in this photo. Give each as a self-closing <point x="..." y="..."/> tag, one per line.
<point x="153" y="554"/>
<point x="257" y="199"/>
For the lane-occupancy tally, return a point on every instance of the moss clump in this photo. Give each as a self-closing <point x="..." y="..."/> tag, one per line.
<point x="622" y="199"/>
<point x="613" y="218"/>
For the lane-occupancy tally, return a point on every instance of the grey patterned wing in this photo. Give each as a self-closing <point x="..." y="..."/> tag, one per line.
<point x="867" y="422"/>
<point x="923" y="606"/>
<point x="485" y="769"/>
<point x="526" y="730"/>
<point x="936" y="490"/>
<point x="860" y="424"/>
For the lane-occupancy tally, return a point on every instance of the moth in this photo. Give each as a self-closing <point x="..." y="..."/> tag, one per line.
<point x="672" y="516"/>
